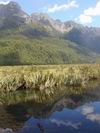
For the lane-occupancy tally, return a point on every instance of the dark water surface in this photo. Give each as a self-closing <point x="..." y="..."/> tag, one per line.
<point x="55" y="113"/>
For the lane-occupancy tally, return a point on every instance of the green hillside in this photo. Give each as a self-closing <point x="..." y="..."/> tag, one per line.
<point x="18" y="49"/>
<point x="38" y="39"/>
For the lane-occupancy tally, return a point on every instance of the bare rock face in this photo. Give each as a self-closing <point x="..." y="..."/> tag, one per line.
<point x="40" y="17"/>
<point x="45" y="20"/>
<point x="11" y="15"/>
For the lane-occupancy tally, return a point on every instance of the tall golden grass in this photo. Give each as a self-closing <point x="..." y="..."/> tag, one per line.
<point x="47" y="78"/>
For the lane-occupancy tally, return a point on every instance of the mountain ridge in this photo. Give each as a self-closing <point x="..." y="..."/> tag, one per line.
<point x="39" y="39"/>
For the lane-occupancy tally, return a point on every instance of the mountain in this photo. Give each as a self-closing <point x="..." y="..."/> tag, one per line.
<point x="39" y="39"/>
<point x="47" y="22"/>
<point x="86" y="36"/>
<point x="11" y="15"/>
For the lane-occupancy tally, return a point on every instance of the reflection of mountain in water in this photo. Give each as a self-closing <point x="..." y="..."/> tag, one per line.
<point x="41" y="110"/>
<point x="85" y="118"/>
<point x="13" y="116"/>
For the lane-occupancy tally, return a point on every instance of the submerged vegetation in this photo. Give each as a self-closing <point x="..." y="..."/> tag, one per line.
<point x="47" y="78"/>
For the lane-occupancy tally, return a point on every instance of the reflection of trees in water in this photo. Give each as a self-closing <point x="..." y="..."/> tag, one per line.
<point x="14" y="115"/>
<point x="7" y="120"/>
<point x="39" y="110"/>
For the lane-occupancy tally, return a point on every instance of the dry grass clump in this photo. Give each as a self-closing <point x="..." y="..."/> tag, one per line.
<point x="46" y="78"/>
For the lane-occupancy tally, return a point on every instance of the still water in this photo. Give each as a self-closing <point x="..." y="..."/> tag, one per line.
<point x="67" y="113"/>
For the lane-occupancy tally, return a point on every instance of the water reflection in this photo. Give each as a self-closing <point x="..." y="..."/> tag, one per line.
<point x="73" y="113"/>
<point x="82" y="119"/>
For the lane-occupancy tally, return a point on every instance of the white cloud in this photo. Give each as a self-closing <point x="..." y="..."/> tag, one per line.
<point x="87" y="110"/>
<point x="88" y="14"/>
<point x="84" y="19"/>
<point x="67" y="6"/>
<point x="4" y="2"/>
<point x="94" y="117"/>
<point x="66" y="123"/>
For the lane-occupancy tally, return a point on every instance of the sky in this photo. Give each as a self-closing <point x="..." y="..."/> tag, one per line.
<point x="86" y="12"/>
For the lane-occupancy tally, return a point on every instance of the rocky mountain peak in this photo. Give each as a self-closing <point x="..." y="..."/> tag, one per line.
<point x="10" y="9"/>
<point x="11" y="15"/>
<point x="13" y="7"/>
<point x="14" y="4"/>
<point x="40" y="15"/>
<point x="41" y="18"/>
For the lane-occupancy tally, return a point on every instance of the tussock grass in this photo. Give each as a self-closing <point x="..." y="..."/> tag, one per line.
<point x="48" y="78"/>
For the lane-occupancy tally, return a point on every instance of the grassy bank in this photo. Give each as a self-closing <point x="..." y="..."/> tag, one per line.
<point x="46" y="78"/>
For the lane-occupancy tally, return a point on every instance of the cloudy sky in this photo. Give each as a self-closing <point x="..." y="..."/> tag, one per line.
<point x="86" y="12"/>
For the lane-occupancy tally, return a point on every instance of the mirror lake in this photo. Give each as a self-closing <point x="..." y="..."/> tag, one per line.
<point x="62" y="111"/>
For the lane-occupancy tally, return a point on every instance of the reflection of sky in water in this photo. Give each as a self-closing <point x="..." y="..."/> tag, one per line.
<point x="84" y="119"/>
<point x="92" y="112"/>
